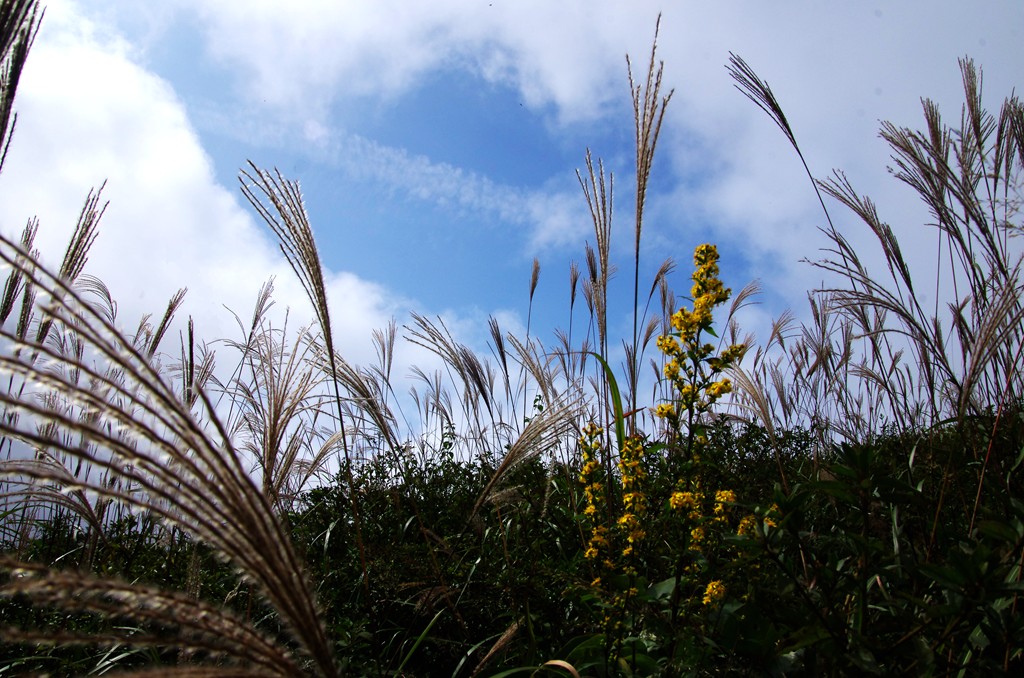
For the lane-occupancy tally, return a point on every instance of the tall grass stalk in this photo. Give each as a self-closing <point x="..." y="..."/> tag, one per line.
<point x="648" y="113"/>
<point x="286" y="216"/>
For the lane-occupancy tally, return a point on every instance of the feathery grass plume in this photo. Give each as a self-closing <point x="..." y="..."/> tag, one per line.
<point x="874" y="352"/>
<point x="960" y="174"/>
<point x="279" y="400"/>
<point x="539" y="366"/>
<point x="19" y="25"/>
<point x="28" y="494"/>
<point x="499" y="645"/>
<point x="77" y="253"/>
<point x="474" y="379"/>
<point x="500" y="352"/>
<point x="201" y="629"/>
<point x="264" y="302"/>
<point x="648" y="113"/>
<point x="758" y="91"/>
<point x="75" y="257"/>
<point x="156" y="336"/>
<point x="570" y="359"/>
<point x="290" y="224"/>
<point x="761" y="94"/>
<point x="164" y="461"/>
<point x="367" y="403"/>
<point x="598" y="192"/>
<point x="67" y="342"/>
<point x="542" y="431"/>
<point x="434" y="404"/>
<point x="534" y="278"/>
<point x="15" y="283"/>
<point x="384" y="341"/>
<point x="96" y="289"/>
<point x="574" y="279"/>
<point x="196" y="372"/>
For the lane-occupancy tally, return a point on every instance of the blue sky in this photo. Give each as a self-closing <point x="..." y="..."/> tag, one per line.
<point x="437" y="143"/>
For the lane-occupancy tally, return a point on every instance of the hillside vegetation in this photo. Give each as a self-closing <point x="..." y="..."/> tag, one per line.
<point x="842" y="498"/>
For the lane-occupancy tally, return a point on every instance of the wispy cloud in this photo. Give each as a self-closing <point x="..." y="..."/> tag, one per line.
<point x="550" y="217"/>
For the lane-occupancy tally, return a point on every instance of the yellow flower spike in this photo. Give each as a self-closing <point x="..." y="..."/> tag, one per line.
<point x="719" y="388"/>
<point x="683" y="500"/>
<point x="668" y="345"/>
<point x="748" y="525"/>
<point x="714" y="593"/>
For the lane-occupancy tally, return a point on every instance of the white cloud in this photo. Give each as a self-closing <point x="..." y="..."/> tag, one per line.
<point x="551" y="215"/>
<point x="300" y="58"/>
<point x="87" y="114"/>
<point x="560" y="219"/>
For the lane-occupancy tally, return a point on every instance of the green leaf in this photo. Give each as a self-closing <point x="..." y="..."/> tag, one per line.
<point x="837" y="489"/>
<point x="660" y="591"/>
<point x="998" y="530"/>
<point x="613" y="388"/>
<point x="945" y="576"/>
<point x="419" y="640"/>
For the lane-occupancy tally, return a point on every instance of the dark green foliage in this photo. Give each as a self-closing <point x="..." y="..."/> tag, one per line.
<point x="872" y="574"/>
<point x="873" y="565"/>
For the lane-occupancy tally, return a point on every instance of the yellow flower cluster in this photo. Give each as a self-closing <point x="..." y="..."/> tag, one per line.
<point x="748" y="525"/>
<point x="593" y="490"/>
<point x="714" y="593"/>
<point x="695" y="373"/>
<point x="690" y="501"/>
<point x="691" y="366"/>
<point x="629" y="530"/>
<point x="634" y="502"/>
<point x="723" y="498"/>
<point x="612" y="547"/>
<point x="771" y="515"/>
